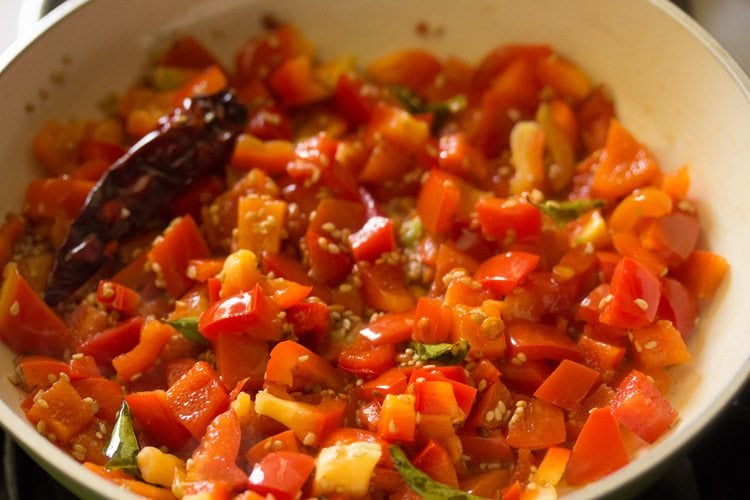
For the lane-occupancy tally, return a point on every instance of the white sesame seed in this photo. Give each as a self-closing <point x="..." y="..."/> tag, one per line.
<point x="42" y="402"/>
<point x="650" y="345"/>
<point x="303" y="358"/>
<point x="15" y="308"/>
<point x="642" y="304"/>
<point x="309" y="439"/>
<point x="392" y="427"/>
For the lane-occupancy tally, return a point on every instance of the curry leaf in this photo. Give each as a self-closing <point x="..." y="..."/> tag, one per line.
<point x="188" y="327"/>
<point x="447" y="354"/>
<point x="442" y="109"/>
<point x="422" y="483"/>
<point x="122" y="449"/>
<point x="566" y="211"/>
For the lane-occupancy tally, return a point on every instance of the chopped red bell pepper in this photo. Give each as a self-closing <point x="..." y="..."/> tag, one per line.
<point x="151" y="410"/>
<point x="504" y="272"/>
<point x="281" y="474"/>
<point x="251" y="313"/>
<point x="641" y="407"/>
<point x="197" y="397"/>
<point x="373" y="239"/>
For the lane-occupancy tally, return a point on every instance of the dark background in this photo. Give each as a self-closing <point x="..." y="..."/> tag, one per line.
<point x="715" y="467"/>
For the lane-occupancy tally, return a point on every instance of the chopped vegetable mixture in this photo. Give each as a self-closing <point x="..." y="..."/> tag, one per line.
<point x="289" y="277"/>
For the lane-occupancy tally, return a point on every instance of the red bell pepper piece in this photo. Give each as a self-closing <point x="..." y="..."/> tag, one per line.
<point x="293" y="366"/>
<point x="106" y="345"/>
<point x="169" y="258"/>
<point x="538" y="341"/>
<point x="365" y="358"/>
<point x="640" y="406"/>
<point x="41" y="371"/>
<point x="538" y="425"/>
<point x="153" y="337"/>
<point x="281" y="474"/>
<point x="677" y="305"/>
<point x="352" y="100"/>
<point x="438" y="202"/>
<point x="567" y="385"/>
<point x="391" y="328"/>
<point x="309" y="318"/>
<point x="56" y="197"/>
<point x="270" y="156"/>
<point x="702" y="273"/>
<point x="285" y="293"/>
<point x="398" y="417"/>
<point x="373" y="239"/>
<point x="384" y="287"/>
<point x="62" y="410"/>
<point x="197" y="397"/>
<point x="504" y="272"/>
<point x="433" y="321"/>
<point x="118" y="297"/>
<point x="239" y="357"/>
<point x="434" y="461"/>
<point x="635" y="293"/>
<point x="499" y="217"/>
<point x="107" y="394"/>
<point x="624" y="164"/>
<point x="82" y="366"/>
<point x="599" y="449"/>
<point x="392" y="381"/>
<point x="10" y="231"/>
<point x="251" y="313"/>
<point x="295" y="83"/>
<point x="283" y="441"/>
<point x="216" y="456"/>
<point x="151" y="410"/>
<point x="659" y="345"/>
<point x="27" y="324"/>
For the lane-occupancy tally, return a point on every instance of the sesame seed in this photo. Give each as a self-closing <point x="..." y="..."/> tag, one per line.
<point x="64" y="377"/>
<point x="564" y="273"/>
<point x="191" y="272"/>
<point x="79" y="456"/>
<point x="303" y="358"/>
<point x="52" y="437"/>
<point x="650" y="345"/>
<point x="79" y="448"/>
<point x="41" y="426"/>
<point x="606" y="300"/>
<point x="642" y="304"/>
<point x="637" y="346"/>
<point x="42" y="402"/>
<point x="15" y="308"/>
<point x="489" y="416"/>
<point x="482" y="385"/>
<point x="78" y="355"/>
<point x="51" y="378"/>
<point x="392" y="427"/>
<point x="309" y="439"/>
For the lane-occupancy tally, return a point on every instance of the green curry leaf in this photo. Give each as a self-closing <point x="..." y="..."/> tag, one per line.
<point x="422" y="483"/>
<point x="188" y="327"/>
<point x="122" y="449"/>
<point x="445" y="353"/>
<point x="568" y="210"/>
<point x="416" y="105"/>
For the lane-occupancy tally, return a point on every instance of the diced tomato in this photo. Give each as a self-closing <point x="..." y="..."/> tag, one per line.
<point x="641" y="407"/>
